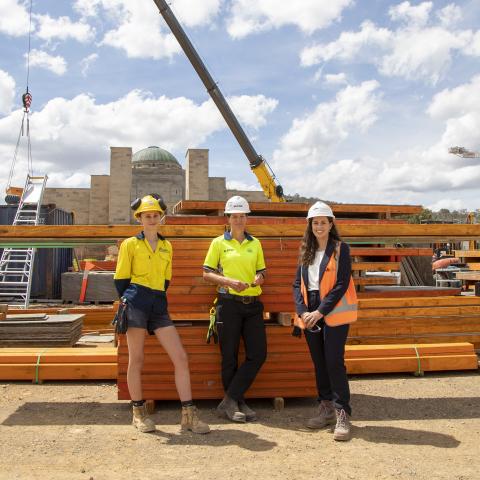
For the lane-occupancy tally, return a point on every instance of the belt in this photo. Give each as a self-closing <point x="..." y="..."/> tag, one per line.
<point x="239" y="298"/>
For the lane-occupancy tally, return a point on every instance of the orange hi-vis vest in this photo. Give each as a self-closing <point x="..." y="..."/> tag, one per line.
<point x="346" y="309"/>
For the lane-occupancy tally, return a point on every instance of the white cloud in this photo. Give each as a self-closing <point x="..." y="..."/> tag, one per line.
<point x="63" y="28"/>
<point x="87" y="62"/>
<point x="192" y="14"/>
<point x="41" y="59"/>
<point x="311" y="139"/>
<point x="73" y="136"/>
<point x="449" y="203"/>
<point x="456" y="102"/>
<point x="140" y="31"/>
<point x="417" y="15"/>
<point x="14" y="18"/>
<point x="7" y="92"/>
<point x="419" y="49"/>
<point x="253" y="16"/>
<point x="450" y="15"/>
<point x="336" y="79"/>
<point x="367" y="45"/>
<point x="412" y="175"/>
<point x="252" y="110"/>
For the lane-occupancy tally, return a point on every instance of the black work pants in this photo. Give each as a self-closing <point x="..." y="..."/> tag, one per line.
<point x="236" y="320"/>
<point x="327" y="349"/>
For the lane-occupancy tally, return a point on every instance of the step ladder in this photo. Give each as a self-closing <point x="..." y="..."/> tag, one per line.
<point x="16" y="264"/>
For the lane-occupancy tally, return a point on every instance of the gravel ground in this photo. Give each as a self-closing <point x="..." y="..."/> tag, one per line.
<point x="404" y="428"/>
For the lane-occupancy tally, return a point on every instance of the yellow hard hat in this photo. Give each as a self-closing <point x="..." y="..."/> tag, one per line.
<point x="149" y="203"/>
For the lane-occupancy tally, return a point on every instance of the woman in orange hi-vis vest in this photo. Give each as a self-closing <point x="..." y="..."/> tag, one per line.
<point x="326" y="303"/>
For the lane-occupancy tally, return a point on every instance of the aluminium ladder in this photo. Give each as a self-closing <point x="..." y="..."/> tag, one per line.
<point x="16" y="264"/>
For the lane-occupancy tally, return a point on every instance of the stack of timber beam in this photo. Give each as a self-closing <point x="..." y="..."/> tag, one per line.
<point x="292" y="209"/>
<point x="288" y="371"/>
<point x="417" y="320"/>
<point x="37" y="364"/>
<point x="40" y="330"/>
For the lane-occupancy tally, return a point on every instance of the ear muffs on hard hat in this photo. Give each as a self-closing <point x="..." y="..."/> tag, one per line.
<point x="236" y="204"/>
<point x="149" y="203"/>
<point x="320" y="209"/>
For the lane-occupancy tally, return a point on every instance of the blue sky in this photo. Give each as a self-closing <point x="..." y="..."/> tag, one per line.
<point x="350" y="101"/>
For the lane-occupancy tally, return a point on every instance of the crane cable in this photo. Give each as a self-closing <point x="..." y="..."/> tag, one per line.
<point x="26" y="101"/>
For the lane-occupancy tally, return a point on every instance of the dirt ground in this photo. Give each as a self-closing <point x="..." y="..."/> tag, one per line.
<point x="404" y="428"/>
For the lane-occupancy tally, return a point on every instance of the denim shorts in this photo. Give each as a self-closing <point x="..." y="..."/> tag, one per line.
<point x="137" y="318"/>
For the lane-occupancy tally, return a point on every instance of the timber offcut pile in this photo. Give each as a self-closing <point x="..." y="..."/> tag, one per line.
<point x="40" y="330"/>
<point x="288" y="370"/>
<point x="38" y="364"/>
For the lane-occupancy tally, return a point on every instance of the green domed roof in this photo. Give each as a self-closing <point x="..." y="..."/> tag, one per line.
<point x="154" y="154"/>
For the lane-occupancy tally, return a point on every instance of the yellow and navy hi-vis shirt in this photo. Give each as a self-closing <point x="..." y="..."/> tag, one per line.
<point x="239" y="261"/>
<point x="143" y="266"/>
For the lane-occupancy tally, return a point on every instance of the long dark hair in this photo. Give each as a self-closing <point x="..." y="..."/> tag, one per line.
<point x="309" y="245"/>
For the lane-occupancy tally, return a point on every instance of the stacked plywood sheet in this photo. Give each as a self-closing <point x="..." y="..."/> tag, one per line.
<point x="288" y="371"/>
<point x="38" y="364"/>
<point x="40" y="330"/>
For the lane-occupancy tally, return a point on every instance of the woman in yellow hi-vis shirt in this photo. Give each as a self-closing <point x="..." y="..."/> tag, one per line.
<point x="235" y="263"/>
<point x="144" y="271"/>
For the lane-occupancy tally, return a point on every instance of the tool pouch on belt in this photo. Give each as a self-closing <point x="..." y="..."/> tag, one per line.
<point x="212" y="326"/>
<point x="120" y="319"/>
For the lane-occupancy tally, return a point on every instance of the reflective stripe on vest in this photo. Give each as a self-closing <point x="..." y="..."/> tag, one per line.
<point x="345" y="310"/>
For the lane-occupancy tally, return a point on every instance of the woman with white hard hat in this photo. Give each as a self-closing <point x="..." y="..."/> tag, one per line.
<point x="235" y="263"/>
<point x="142" y="276"/>
<point x="326" y="303"/>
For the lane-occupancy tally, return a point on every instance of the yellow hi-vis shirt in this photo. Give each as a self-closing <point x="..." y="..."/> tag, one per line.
<point x="143" y="266"/>
<point x="241" y="261"/>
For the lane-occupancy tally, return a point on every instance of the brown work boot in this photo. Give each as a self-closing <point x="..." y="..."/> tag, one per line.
<point x="343" y="427"/>
<point x="190" y="421"/>
<point x="229" y="407"/>
<point x="141" y="420"/>
<point x="250" y="415"/>
<point x="326" y="416"/>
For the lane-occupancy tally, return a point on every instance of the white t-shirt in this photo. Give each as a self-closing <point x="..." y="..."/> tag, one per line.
<point x="314" y="271"/>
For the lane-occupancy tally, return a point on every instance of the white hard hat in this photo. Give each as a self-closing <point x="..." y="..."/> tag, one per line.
<point x="320" y="209"/>
<point x="237" y="204"/>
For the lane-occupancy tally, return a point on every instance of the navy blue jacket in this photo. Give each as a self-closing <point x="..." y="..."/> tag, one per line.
<point x="328" y="303"/>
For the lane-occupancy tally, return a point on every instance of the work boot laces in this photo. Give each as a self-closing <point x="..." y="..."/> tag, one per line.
<point x="342" y="420"/>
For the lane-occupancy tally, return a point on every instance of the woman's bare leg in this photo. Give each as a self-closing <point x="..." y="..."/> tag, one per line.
<point x="136" y="341"/>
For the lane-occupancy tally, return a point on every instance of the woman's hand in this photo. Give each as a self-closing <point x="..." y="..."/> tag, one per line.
<point x="237" y="285"/>
<point x="259" y="279"/>
<point x="311" y="318"/>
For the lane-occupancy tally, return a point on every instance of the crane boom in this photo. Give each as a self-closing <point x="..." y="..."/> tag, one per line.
<point x="258" y="164"/>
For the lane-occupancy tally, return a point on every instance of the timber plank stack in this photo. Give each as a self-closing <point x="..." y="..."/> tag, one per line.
<point x="417" y="320"/>
<point x="288" y="371"/>
<point x="38" y="364"/>
<point x="40" y="330"/>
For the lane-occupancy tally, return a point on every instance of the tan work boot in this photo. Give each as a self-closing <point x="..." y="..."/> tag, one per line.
<point x="250" y="415"/>
<point x="141" y="420"/>
<point x="229" y="407"/>
<point x="342" y="430"/>
<point x="190" y="421"/>
<point x="326" y="416"/>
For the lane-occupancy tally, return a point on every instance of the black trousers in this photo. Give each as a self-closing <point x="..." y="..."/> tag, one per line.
<point x="234" y="321"/>
<point x="327" y="349"/>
